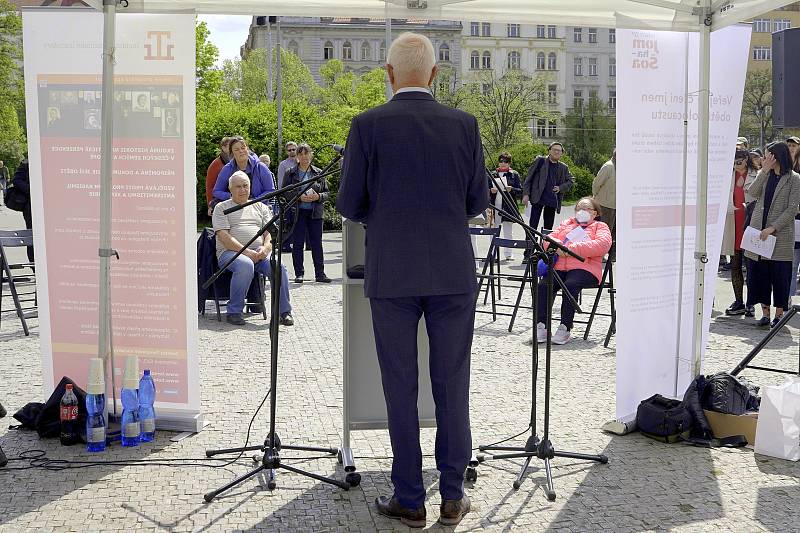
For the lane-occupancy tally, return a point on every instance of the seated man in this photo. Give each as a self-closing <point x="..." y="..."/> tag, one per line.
<point x="237" y="228"/>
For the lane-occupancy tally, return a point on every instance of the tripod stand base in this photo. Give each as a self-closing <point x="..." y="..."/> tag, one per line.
<point x="539" y="449"/>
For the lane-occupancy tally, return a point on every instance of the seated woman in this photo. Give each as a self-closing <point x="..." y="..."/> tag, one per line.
<point x="589" y="238"/>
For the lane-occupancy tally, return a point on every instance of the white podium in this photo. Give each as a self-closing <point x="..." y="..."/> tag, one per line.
<point x="364" y="405"/>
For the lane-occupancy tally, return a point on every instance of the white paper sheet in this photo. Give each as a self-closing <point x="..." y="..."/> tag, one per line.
<point x="751" y="241"/>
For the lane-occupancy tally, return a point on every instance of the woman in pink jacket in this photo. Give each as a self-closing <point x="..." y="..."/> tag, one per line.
<point x="589" y="238"/>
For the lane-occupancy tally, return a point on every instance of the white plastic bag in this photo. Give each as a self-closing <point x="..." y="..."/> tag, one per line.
<point x="778" y="429"/>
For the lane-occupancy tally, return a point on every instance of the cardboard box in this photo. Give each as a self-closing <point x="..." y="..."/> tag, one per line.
<point x="729" y="425"/>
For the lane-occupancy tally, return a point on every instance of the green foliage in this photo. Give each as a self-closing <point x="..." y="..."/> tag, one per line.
<point x="12" y="89"/>
<point x="590" y="134"/>
<point x="756" y="117"/>
<point x="207" y="77"/>
<point x="12" y="138"/>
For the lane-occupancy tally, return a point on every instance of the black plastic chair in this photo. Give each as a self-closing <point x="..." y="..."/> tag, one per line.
<point x="490" y="262"/>
<point x="25" y="302"/>
<point x="606" y="283"/>
<point x="496" y="278"/>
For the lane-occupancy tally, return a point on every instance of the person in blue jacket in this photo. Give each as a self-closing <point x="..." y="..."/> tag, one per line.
<point x="261" y="180"/>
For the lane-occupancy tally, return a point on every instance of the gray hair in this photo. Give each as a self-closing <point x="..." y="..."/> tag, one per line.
<point x="411" y="54"/>
<point x="238" y="176"/>
<point x="264" y="158"/>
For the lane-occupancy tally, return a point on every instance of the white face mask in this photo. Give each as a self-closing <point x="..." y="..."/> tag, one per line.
<point x="583" y="216"/>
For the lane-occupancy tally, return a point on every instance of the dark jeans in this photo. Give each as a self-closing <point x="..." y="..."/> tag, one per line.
<point x="767" y="278"/>
<point x="449" y="321"/>
<point x="314" y="228"/>
<point x="737" y="275"/>
<point x="549" y="216"/>
<point x="26" y="214"/>
<point x="574" y="280"/>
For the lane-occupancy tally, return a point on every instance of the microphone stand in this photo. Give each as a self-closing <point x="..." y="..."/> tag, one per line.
<point x="536" y="447"/>
<point x="270" y="460"/>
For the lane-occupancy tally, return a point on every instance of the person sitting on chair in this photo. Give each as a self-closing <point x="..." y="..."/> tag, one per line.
<point x="588" y="238"/>
<point x="239" y="227"/>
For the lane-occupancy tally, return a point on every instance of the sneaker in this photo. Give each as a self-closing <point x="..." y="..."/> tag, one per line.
<point x="286" y="320"/>
<point x="750" y="311"/>
<point x="775" y="321"/>
<point x="541" y="332"/>
<point x="763" y="322"/>
<point x="235" y="319"/>
<point x="298" y="279"/>
<point x="736" y="308"/>
<point x="561" y="336"/>
<point x="323" y="279"/>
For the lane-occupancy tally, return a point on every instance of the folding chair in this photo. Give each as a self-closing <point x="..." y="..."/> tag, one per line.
<point x="526" y="278"/>
<point x="22" y="280"/>
<point x="606" y="283"/>
<point x="490" y="262"/>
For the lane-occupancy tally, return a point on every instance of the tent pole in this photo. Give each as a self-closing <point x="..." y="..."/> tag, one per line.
<point x="104" y="338"/>
<point x="700" y="255"/>
<point x="682" y="254"/>
<point x="279" y="80"/>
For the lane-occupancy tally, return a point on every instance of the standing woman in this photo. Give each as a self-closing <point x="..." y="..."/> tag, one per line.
<point x="509" y="179"/>
<point x="744" y="173"/>
<point x="794" y="149"/>
<point x="777" y="194"/>
<point x="309" y="213"/>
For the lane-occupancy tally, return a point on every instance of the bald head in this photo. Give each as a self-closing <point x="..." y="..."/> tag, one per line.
<point x="411" y="61"/>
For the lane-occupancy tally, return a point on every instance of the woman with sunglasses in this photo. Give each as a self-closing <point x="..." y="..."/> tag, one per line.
<point x="744" y="173"/>
<point x="507" y="178"/>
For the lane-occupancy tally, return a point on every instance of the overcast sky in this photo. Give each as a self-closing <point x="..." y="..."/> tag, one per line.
<point x="228" y="32"/>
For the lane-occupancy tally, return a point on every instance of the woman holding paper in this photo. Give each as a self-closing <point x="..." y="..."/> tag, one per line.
<point x="589" y="238"/>
<point x="777" y="194"/>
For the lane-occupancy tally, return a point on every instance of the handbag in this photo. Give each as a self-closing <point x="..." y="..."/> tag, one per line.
<point x="664" y="419"/>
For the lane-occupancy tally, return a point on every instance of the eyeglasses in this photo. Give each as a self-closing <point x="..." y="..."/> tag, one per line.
<point x="505" y="161"/>
<point x="739" y="161"/>
<point x="291" y="149"/>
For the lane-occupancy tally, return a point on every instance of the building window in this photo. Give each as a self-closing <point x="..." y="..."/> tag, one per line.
<point x="327" y="51"/>
<point x="474" y="60"/>
<point x="294" y="48"/>
<point x="592" y="66"/>
<point x="552" y="94"/>
<point x="366" y="51"/>
<point x="762" y="53"/>
<point x="577" y="99"/>
<point x="347" y="51"/>
<point x="540" y="61"/>
<point x="781" y="24"/>
<point x="513" y="30"/>
<point x="577" y="35"/>
<point x="486" y="29"/>
<point x="540" y="31"/>
<point x="485" y="88"/>
<point x="444" y="52"/>
<point x="541" y="127"/>
<point x="383" y="52"/>
<point x="514" y="60"/>
<point x="486" y="60"/>
<point x="551" y="129"/>
<point x="551" y="61"/>
<point x="612" y="100"/>
<point x="592" y="35"/>
<point x="592" y="94"/>
<point x="551" y="32"/>
<point x="612" y="36"/>
<point x="612" y="66"/>
<point x="578" y="66"/>
<point x="474" y="29"/>
<point x="762" y="25"/>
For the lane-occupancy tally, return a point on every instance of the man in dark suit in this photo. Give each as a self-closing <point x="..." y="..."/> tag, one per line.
<point x="414" y="173"/>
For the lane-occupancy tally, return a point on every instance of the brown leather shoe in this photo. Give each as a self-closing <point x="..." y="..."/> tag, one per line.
<point x="452" y="511"/>
<point x="391" y="507"/>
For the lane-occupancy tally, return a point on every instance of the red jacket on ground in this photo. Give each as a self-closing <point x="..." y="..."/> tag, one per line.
<point x="593" y="250"/>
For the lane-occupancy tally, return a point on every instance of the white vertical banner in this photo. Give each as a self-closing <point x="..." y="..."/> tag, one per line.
<point x="154" y="282"/>
<point x="654" y="339"/>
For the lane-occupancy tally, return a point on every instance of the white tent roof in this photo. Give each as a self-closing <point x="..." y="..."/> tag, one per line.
<point x="645" y="14"/>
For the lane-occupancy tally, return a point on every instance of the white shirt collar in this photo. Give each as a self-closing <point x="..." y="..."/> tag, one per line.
<point x="413" y="89"/>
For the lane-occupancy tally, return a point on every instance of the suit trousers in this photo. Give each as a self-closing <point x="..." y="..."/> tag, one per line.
<point x="449" y="321"/>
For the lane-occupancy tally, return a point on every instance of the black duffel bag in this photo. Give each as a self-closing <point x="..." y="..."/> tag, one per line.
<point x="724" y="393"/>
<point x="664" y="419"/>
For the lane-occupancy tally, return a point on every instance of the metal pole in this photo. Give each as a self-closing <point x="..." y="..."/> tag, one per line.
<point x="389" y="91"/>
<point x="700" y="254"/>
<point x="270" y="94"/>
<point x="104" y="337"/>
<point x="280" y="88"/>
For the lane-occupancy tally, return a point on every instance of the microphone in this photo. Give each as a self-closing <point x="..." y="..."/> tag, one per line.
<point x="338" y="148"/>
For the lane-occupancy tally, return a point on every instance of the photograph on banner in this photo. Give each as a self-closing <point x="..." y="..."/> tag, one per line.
<point x="657" y="134"/>
<point x="153" y="281"/>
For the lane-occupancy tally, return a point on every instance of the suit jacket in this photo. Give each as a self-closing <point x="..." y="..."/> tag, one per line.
<point x="781" y="213"/>
<point x="293" y="176"/>
<point x="414" y="173"/>
<point x="537" y="179"/>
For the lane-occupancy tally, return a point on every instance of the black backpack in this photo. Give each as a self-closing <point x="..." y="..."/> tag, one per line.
<point x="724" y="393"/>
<point x="664" y="419"/>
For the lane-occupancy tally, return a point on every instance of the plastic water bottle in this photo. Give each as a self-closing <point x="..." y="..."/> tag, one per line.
<point x="96" y="407"/>
<point x="147" y="415"/>
<point x="69" y="418"/>
<point x="131" y="431"/>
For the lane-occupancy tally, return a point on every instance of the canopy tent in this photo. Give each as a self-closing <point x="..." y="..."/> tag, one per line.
<point x="702" y="16"/>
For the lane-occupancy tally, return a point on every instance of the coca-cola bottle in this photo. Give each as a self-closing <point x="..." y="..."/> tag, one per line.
<point x="69" y="418"/>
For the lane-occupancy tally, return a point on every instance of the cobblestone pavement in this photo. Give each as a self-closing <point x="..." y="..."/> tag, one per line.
<point x="645" y="486"/>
